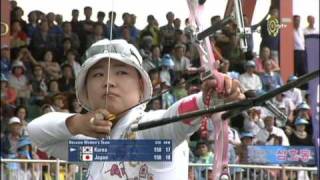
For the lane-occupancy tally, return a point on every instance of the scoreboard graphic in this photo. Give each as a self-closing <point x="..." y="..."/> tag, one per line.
<point x="119" y="150"/>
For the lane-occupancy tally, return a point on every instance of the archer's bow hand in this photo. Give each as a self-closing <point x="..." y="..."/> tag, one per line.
<point x="226" y="88"/>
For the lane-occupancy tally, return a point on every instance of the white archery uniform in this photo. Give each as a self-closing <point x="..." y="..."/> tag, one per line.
<point x="50" y="133"/>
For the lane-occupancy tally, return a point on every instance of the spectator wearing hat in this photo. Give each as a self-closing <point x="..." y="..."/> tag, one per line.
<point x="270" y="79"/>
<point x="166" y="72"/>
<point x="295" y="93"/>
<point x="9" y="142"/>
<point x="19" y="81"/>
<point x="263" y="136"/>
<point x="300" y="137"/>
<point x="303" y="110"/>
<point x="5" y="60"/>
<point x="167" y="78"/>
<point x="246" y="140"/>
<point x="249" y="80"/>
<point x="8" y="94"/>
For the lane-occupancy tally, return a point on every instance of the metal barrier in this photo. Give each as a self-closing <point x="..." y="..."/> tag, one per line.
<point x="11" y="170"/>
<point x="262" y="172"/>
<point x="237" y="171"/>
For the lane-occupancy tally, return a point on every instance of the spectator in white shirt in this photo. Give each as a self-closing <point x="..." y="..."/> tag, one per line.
<point x="282" y="102"/>
<point x="300" y="61"/>
<point x="249" y="80"/>
<point x="295" y="93"/>
<point x="310" y="29"/>
<point x="266" y="135"/>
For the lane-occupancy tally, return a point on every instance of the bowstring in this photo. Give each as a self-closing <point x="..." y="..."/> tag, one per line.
<point x="107" y="75"/>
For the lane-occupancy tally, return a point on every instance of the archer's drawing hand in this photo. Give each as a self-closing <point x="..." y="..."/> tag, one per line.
<point x="231" y="88"/>
<point x="94" y="124"/>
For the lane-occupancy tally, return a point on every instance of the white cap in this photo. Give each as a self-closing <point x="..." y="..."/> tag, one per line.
<point x="14" y="120"/>
<point x="115" y="49"/>
<point x="18" y="63"/>
<point x="266" y="113"/>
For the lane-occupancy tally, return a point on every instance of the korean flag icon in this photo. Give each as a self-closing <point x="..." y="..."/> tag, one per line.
<point x="87" y="149"/>
<point x="87" y="157"/>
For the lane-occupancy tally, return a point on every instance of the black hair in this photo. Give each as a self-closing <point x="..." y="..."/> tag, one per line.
<point x="201" y="143"/>
<point x="20" y="107"/>
<point x="101" y="14"/>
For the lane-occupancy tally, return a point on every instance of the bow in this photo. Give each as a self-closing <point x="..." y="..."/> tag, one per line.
<point x="208" y="62"/>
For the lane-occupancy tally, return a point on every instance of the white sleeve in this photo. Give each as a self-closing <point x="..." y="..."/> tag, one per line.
<point x="50" y="133"/>
<point x="248" y="124"/>
<point x="259" y="84"/>
<point x="178" y="131"/>
<point x="285" y="141"/>
<point x="243" y="82"/>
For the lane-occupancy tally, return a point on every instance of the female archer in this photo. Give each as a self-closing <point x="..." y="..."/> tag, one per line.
<point x="110" y="81"/>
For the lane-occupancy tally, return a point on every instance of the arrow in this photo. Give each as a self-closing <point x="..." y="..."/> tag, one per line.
<point x="73" y="149"/>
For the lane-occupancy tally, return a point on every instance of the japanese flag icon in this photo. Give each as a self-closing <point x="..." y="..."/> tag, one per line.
<point x="87" y="157"/>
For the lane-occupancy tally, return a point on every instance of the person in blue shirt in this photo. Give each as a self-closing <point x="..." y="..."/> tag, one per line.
<point x="5" y="60"/>
<point x="270" y="79"/>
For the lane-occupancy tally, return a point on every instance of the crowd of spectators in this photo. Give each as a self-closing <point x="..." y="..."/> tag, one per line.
<point x="39" y="67"/>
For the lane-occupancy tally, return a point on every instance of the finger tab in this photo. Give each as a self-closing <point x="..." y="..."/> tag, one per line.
<point x="111" y="117"/>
